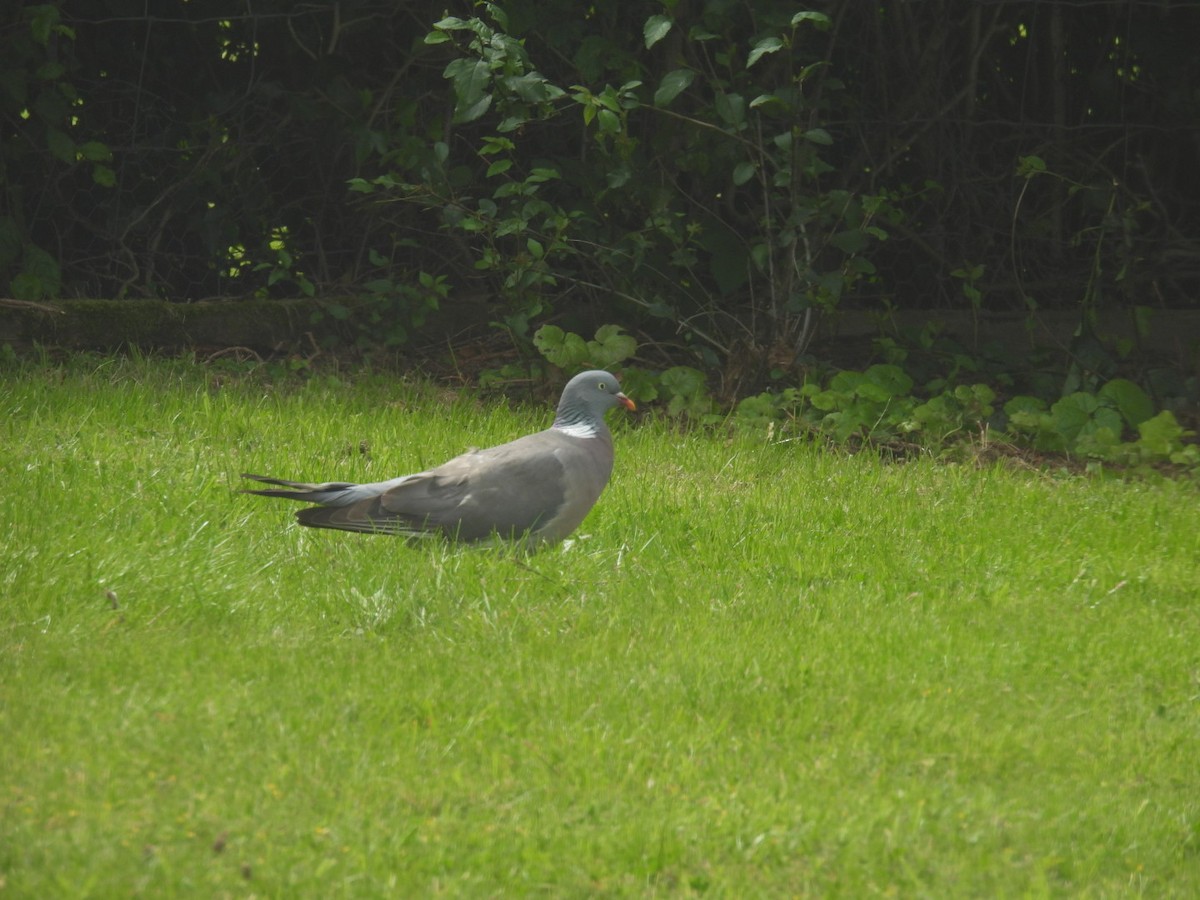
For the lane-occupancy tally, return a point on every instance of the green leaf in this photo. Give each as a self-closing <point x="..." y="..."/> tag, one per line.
<point x="731" y="108"/>
<point x="493" y="145"/>
<point x="818" y="136"/>
<point x="1142" y="316"/>
<point x="471" y="79"/>
<point x="743" y="172"/>
<point x="672" y="85"/>
<point x="60" y="145"/>
<point x="873" y="392"/>
<point x="819" y="19"/>
<point x="51" y="71"/>
<point x="686" y="391"/>
<point x="655" y="29"/>
<point x="474" y="111"/>
<point x="43" y="20"/>
<point x="611" y="346"/>
<point x="28" y="287"/>
<point x="846" y="381"/>
<point x="533" y="88"/>
<point x="852" y="240"/>
<point x="548" y="339"/>
<point x="608" y="99"/>
<point x="104" y="176"/>
<point x="891" y="378"/>
<point x="1028" y="166"/>
<point x="1072" y="413"/>
<point x="1129" y="399"/>
<point x="618" y="176"/>
<point x="1162" y="435"/>
<point x="450" y="23"/>
<point x="40" y="276"/>
<point x="766" y="99"/>
<point x="763" y="47"/>
<point x="1024" y="413"/>
<point x="565" y="350"/>
<point x="609" y="121"/>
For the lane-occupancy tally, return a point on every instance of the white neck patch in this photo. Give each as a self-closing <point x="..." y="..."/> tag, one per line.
<point x="577" y="429"/>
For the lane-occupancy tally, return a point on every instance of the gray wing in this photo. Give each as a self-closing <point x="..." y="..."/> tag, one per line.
<point x="543" y="484"/>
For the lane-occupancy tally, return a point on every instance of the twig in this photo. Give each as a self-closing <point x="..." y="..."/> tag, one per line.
<point x="29" y="304"/>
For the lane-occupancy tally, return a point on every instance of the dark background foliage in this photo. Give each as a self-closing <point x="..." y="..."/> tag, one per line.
<point x="988" y="155"/>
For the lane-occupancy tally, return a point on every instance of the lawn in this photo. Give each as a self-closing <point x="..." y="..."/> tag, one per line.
<point x="763" y="668"/>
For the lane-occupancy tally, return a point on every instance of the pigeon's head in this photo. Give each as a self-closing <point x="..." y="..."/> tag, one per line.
<point x="595" y="392"/>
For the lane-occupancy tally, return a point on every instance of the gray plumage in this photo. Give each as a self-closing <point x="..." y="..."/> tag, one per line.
<point x="540" y="486"/>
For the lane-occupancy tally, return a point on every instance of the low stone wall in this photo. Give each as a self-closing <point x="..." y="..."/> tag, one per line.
<point x="274" y="326"/>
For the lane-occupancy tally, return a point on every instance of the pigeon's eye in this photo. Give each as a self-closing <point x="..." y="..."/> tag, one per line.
<point x="602" y="386"/>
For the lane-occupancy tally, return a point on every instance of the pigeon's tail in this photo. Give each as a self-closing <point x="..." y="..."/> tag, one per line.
<point x="368" y="518"/>
<point x="344" y="505"/>
<point x="331" y="493"/>
<point x="335" y="493"/>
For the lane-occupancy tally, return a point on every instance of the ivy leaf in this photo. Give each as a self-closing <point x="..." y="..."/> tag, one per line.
<point x="655" y="29"/>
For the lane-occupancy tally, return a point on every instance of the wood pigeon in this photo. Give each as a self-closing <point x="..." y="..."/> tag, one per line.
<point x="539" y="487"/>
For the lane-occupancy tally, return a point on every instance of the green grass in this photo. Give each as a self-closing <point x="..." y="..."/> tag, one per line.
<point x="763" y="669"/>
